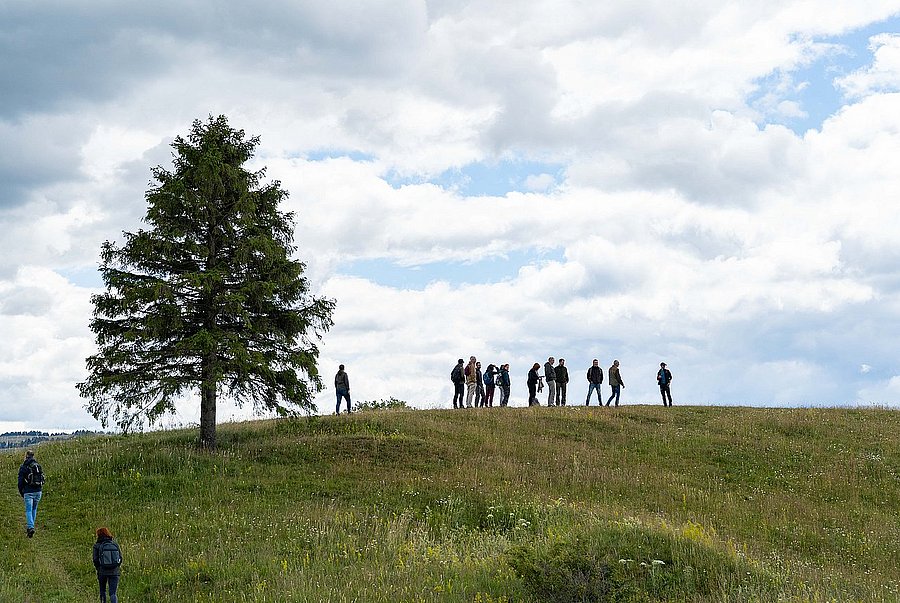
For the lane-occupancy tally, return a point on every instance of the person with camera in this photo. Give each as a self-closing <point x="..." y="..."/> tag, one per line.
<point x="532" y="384"/>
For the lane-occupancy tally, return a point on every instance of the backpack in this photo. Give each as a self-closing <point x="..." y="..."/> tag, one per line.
<point x="35" y="475"/>
<point x="456" y="374"/>
<point x="488" y="378"/>
<point x="109" y="555"/>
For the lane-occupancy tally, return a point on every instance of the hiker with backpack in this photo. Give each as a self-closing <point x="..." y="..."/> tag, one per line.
<point x="489" y="384"/>
<point x="504" y="382"/>
<point x="458" y="380"/>
<point x="31" y="485"/>
<point x="108" y="562"/>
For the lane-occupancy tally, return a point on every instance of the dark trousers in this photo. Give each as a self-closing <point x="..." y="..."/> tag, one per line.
<point x="504" y="395"/>
<point x="459" y="391"/>
<point x="341" y="393"/>
<point x="113" y="583"/>
<point x="489" y="395"/>
<point x="664" y="392"/>
<point x="532" y="395"/>
<point x="615" y="394"/>
<point x="561" y="393"/>
<point x="479" y="396"/>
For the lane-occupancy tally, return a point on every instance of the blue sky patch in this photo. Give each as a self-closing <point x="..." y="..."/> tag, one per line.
<point x="491" y="179"/>
<point x="489" y="270"/>
<point x="812" y="86"/>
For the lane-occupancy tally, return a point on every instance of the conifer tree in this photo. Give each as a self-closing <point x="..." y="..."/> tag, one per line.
<point x="207" y="300"/>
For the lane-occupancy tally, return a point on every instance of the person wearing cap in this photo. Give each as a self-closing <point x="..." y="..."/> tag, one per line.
<point x="664" y="378"/>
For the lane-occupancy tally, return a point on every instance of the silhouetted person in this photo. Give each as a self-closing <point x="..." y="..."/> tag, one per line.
<point x="664" y="379"/>
<point x="341" y="389"/>
<point x="532" y="384"/>
<point x="458" y="380"/>
<point x="595" y="378"/>
<point x="562" y="380"/>
<point x="505" y="383"/>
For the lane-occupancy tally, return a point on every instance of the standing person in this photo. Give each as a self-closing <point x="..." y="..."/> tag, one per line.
<point x="457" y="378"/>
<point x="489" y="385"/>
<point x="595" y="378"/>
<point x="504" y="384"/>
<point x="615" y="382"/>
<point x="471" y="381"/>
<point x="663" y="379"/>
<point x="550" y="378"/>
<point x="479" y="386"/>
<point x="342" y="389"/>
<point x="562" y="379"/>
<point x="108" y="562"/>
<point x="532" y="385"/>
<point x="31" y="485"/>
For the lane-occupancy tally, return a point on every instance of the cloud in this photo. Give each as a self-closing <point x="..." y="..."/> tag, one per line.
<point x="883" y="75"/>
<point x="661" y="214"/>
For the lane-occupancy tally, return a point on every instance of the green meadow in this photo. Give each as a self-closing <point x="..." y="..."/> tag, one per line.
<point x="635" y="504"/>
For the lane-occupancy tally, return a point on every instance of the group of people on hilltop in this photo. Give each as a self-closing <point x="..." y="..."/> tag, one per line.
<point x="474" y="387"/>
<point x="106" y="555"/>
<point x="477" y="387"/>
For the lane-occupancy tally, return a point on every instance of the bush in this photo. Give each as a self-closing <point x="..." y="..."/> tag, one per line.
<point x="629" y="563"/>
<point x="380" y="404"/>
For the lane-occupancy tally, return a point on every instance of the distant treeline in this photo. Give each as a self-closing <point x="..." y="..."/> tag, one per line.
<point x="25" y="439"/>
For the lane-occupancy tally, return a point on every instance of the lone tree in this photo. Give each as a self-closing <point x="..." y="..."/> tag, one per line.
<point x="208" y="298"/>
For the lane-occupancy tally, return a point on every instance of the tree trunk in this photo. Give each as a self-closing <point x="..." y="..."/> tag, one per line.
<point x="208" y="406"/>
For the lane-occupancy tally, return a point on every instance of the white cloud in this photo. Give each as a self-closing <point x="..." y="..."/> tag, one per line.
<point x="682" y="225"/>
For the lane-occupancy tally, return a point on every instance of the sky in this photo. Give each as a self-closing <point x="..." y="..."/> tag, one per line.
<point x="712" y="184"/>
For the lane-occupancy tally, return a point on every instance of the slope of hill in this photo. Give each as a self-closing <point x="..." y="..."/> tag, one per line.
<point x="496" y="505"/>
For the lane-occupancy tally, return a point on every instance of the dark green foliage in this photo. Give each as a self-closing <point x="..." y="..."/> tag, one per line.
<point x="379" y="404"/>
<point x="207" y="298"/>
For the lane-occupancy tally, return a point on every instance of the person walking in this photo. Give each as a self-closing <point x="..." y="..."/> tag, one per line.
<point x="595" y="378"/>
<point x="550" y="378"/>
<point x="479" y="386"/>
<point x="31" y="485"/>
<point x="341" y="389"/>
<point x="108" y="563"/>
<point x="458" y="379"/>
<point x="532" y="384"/>
<point x="615" y="381"/>
<point x="471" y="381"/>
<point x="562" y="380"/>
<point x="489" y="385"/>
<point x="663" y="379"/>
<point x="504" y="384"/>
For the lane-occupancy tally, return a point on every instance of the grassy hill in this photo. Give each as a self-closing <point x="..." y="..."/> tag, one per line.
<point x="498" y="505"/>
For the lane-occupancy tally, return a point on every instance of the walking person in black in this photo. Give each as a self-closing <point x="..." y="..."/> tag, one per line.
<point x="458" y="380"/>
<point x="108" y="563"/>
<point x="595" y="379"/>
<point x="664" y="379"/>
<point x="479" y="387"/>
<point x="341" y="389"/>
<point x="532" y="385"/>
<point x="562" y="378"/>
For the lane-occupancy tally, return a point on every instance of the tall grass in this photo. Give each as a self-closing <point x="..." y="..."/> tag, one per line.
<point x="488" y="505"/>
